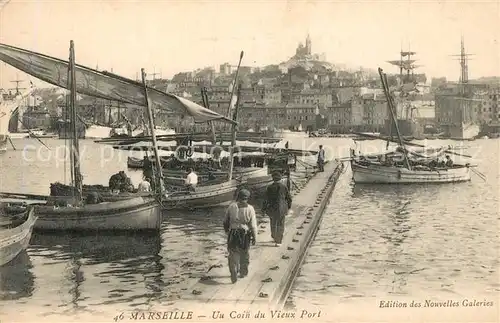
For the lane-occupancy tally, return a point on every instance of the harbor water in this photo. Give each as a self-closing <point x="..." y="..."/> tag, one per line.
<point x="374" y="241"/>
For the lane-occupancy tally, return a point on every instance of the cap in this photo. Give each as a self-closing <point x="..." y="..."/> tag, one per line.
<point x="277" y="174"/>
<point x="243" y="194"/>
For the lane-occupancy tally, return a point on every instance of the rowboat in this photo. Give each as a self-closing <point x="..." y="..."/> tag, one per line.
<point x="373" y="173"/>
<point x="16" y="226"/>
<point x="131" y="214"/>
<point x="210" y="195"/>
<point x="203" y="197"/>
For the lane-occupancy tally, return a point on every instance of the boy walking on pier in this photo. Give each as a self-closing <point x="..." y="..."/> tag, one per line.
<point x="240" y="224"/>
<point x="277" y="202"/>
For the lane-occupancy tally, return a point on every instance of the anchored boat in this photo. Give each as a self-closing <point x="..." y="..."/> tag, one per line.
<point x="132" y="213"/>
<point x="376" y="173"/>
<point x="16" y="226"/>
<point x="404" y="166"/>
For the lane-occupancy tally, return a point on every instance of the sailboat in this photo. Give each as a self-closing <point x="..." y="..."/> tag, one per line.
<point x="404" y="168"/>
<point x="138" y="213"/>
<point x="128" y="213"/>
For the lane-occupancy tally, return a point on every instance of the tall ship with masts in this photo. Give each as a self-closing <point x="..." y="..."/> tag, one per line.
<point x="405" y="93"/>
<point x="10" y="102"/>
<point x="456" y="112"/>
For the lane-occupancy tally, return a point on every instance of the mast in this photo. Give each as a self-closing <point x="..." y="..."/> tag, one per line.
<point x="68" y="127"/>
<point x="234" y="130"/>
<point x="76" y="148"/>
<point x="235" y="82"/>
<point x="204" y="99"/>
<point x="383" y="78"/>
<point x="159" y="177"/>
<point x="464" y="77"/>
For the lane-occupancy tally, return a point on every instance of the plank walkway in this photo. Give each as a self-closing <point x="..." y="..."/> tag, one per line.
<point x="272" y="269"/>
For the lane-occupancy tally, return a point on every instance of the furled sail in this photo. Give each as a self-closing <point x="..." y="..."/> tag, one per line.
<point x="101" y="84"/>
<point x="406" y="64"/>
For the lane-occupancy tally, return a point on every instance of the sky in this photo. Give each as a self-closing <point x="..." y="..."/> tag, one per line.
<point x="170" y="36"/>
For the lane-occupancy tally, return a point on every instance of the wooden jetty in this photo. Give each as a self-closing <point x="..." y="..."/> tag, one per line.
<point x="272" y="269"/>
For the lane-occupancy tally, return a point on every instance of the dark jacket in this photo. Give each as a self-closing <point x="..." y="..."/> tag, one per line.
<point x="277" y="199"/>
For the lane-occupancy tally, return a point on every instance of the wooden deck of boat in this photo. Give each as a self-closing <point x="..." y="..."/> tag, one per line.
<point x="272" y="269"/>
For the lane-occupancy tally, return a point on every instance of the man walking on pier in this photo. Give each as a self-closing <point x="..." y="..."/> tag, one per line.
<point x="277" y="202"/>
<point x="321" y="159"/>
<point x="240" y="224"/>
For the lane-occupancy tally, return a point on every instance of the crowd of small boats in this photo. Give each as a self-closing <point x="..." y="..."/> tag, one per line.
<point x="84" y="207"/>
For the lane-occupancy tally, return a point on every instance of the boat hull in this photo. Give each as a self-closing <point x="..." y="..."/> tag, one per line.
<point x="375" y="174"/>
<point x="205" y="197"/>
<point x="131" y="214"/>
<point x="14" y="241"/>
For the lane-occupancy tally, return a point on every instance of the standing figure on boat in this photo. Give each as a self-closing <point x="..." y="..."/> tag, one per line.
<point x="144" y="186"/>
<point x="191" y="180"/>
<point x="147" y="168"/>
<point x="277" y="202"/>
<point x="321" y="159"/>
<point x="240" y="224"/>
<point x="216" y="159"/>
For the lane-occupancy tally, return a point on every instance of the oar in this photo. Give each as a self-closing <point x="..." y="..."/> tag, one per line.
<point x="11" y="143"/>
<point x="479" y="174"/>
<point x="23" y="196"/>
<point x="32" y="134"/>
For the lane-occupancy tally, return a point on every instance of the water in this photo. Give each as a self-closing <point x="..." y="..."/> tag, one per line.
<point x="374" y="241"/>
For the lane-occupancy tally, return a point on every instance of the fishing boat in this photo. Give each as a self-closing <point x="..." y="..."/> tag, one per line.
<point x="377" y="173"/>
<point x="136" y="213"/>
<point x="115" y="88"/>
<point x="16" y="226"/>
<point x="404" y="168"/>
<point x="132" y="213"/>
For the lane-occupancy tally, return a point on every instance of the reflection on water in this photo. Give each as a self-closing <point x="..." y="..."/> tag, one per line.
<point x="117" y="268"/>
<point x="406" y="240"/>
<point x="374" y="241"/>
<point x="16" y="278"/>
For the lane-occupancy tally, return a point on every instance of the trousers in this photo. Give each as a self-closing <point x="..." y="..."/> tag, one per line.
<point x="277" y="227"/>
<point x="321" y="165"/>
<point x="238" y="246"/>
<point x="238" y="261"/>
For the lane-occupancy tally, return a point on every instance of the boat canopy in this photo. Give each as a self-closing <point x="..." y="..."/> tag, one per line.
<point x="102" y="85"/>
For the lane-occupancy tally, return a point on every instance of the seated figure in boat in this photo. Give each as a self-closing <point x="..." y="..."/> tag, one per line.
<point x="211" y="176"/>
<point x="389" y="161"/>
<point x="120" y="182"/>
<point x="449" y="162"/>
<point x="191" y="180"/>
<point x="434" y="163"/>
<point x="127" y="185"/>
<point x="93" y="198"/>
